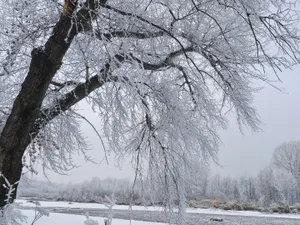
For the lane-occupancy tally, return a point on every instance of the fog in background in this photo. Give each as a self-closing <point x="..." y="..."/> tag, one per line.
<point x="239" y="154"/>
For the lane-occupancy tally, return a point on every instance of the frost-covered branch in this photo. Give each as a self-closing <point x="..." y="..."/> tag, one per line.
<point x="39" y="212"/>
<point x="110" y="203"/>
<point x="9" y="215"/>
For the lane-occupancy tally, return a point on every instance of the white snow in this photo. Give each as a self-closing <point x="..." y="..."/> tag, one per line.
<point x="152" y="208"/>
<point x="75" y="205"/>
<point x="65" y="219"/>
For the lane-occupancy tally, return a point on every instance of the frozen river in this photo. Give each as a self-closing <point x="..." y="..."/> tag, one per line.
<point x="156" y="214"/>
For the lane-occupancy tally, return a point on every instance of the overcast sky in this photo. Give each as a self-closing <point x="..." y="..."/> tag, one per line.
<point x="239" y="154"/>
<point x="280" y="114"/>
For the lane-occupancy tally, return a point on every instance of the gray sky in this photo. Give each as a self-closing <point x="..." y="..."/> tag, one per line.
<point x="239" y="154"/>
<point x="280" y="114"/>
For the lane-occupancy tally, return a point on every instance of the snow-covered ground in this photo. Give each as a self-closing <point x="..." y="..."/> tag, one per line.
<point x="48" y="204"/>
<point x="65" y="219"/>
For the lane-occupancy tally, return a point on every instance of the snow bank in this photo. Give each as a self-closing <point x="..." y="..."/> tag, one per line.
<point x="152" y="208"/>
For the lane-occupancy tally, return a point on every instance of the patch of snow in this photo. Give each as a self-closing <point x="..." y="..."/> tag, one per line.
<point x="63" y="219"/>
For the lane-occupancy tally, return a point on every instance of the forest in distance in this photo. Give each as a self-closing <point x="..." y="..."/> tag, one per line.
<point x="275" y="188"/>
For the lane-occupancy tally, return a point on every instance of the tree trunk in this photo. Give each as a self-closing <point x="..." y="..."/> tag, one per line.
<point x="24" y="121"/>
<point x="15" y="136"/>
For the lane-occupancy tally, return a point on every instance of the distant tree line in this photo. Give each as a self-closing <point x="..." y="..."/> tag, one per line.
<point x="279" y="183"/>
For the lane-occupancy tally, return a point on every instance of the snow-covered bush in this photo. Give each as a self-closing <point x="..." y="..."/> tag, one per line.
<point x="10" y="215"/>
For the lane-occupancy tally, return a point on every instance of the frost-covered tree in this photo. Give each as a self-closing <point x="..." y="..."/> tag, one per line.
<point x="269" y="192"/>
<point x="286" y="157"/>
<point x="161" y="74"/>
<point x="287" y="186"/>
<point x="248" y="188"/>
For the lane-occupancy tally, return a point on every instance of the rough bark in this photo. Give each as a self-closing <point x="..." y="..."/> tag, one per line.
<point x="27" y="118"/>
<point x="44" y="64"/>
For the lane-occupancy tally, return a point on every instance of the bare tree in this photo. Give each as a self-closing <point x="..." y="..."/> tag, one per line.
<point x="267" y="187"/>
<point x="287" y="157"/>
<point x="161" y="75"/>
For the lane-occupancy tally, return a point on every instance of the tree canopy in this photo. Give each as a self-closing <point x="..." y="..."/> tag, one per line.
<point x="161" y="74"/>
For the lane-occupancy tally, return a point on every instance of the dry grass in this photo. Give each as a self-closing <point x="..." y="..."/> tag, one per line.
<point x="206" y="203"/>
<point x="218" y="204"/>
<point x="278" y="208"/>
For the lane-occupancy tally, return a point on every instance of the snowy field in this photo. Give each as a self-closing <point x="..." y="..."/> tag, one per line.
<point x="75" y="212"/>
<point x="66" y="219"/>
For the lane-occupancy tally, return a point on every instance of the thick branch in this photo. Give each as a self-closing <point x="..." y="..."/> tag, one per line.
<point x="81" y="91"/>
<point x="128" y="34"/>
<point x="44" y="64"/>
<point x="166" y="62"/>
